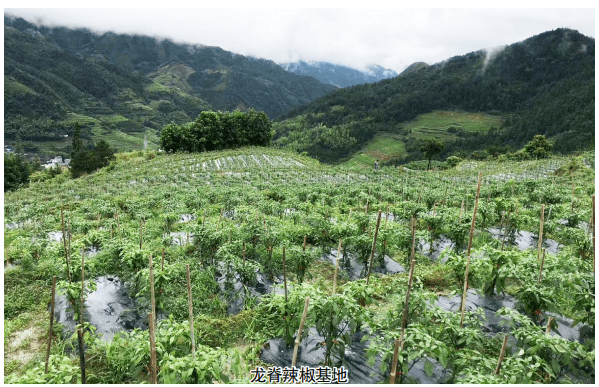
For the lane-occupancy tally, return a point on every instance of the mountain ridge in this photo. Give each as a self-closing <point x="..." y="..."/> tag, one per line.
<point x="338" y="75"/>
<point x="542" y="85"/>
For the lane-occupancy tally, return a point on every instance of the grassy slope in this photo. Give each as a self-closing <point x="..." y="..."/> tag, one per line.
<point x="435" y="124"/>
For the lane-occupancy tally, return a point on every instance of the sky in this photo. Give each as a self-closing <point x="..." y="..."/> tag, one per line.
<point x="349" y="33"/>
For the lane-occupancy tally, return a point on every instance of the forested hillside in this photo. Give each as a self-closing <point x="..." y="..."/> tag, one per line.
<point x="543" y="85"/>
<point x="122" y="87"/>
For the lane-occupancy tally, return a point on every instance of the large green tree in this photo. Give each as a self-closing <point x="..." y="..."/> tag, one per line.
<point x="16" y="172"/>
<point x="218" y="130"/>
<point x="539" y="147"/>
<point x="88" y="160"/>
<point x="431" y="147"/>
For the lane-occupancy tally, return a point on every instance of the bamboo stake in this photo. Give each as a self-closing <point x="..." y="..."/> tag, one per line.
<point x="219" y="219"/>
<point x="507" y="228"/>
<point x="393" y="373"/>
<point x="413" y="251"/>
<point x="189" y="301"/>
<point x="153" y="376"/>
<point x="243" y="252"/>
<point x="51" y="322"/>
<point x="80" y="330"/>
<point x="304" y="246"/>
<point x="337" y="267"/>
<point x="141" y="233"/>
<point x="404" y="322"/>
<point x="445" y="197"/>
<point x="299" y="332"/>
<point x="548" y="330"/>
<point x="386" y="219"/>
<point x="501" y="354"/>
<point x="152" y="297"/>
<point x="284" y="275"/>
<point x="64" y="240"/>
<point x="367" y="205"/>
<point x="410" y="280"/>
<point x="69" y="235"/>
<point x="593" y="230"/>
<point x="116" y="216"/>
<point x="541" y="232"/>
<point x="461" y="211"/>
<point x="376" y="231"/>
<point x="541" y="268"/>
<point x="465" y="293"/>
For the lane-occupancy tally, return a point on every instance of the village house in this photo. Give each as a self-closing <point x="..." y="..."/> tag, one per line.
<point x="57" y="163"/>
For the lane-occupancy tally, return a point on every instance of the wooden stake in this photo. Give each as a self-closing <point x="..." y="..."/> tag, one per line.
<point x="501" y="355"/>
<point x="541" y="268"/>
<point x="461" y="211"/>
<point x="162" y="261"/>
<point x="593" y="230"/>
<point x="152" y="330"/>
<point x="410" y="281"/>
<point x="394" y="362"/>
<point x="189" y="301"/>
<point x="548" y="330"/>
<point x="413" y="251"/>
<point x="299" y="332"/>
<point x="64" y="240"/>
<point x="386" y="218"/>
<point x="445" y="197"/>
<point x="507" y="229"/>
<point x="141" y="232"/>
<point x="376" y="232"/>
<point x="541" y="233"/>
<point x="243" y="252"/>
<point x="51" y="322"/>
<point x="337" y="267"/>
<point x="152" y="297"/>
<point x="304" y="246"/>
<point x="400" y="342"/>
<point x="80" y="330"/>
<point x="69" y="235"/>
<point x="219" y="219"/>
<point x="284" y="275"/>
<point x="465" y="293"/>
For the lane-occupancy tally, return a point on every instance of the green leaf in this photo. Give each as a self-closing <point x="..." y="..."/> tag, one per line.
<point x="555" y="366"/>
<point x="428" y="368"/>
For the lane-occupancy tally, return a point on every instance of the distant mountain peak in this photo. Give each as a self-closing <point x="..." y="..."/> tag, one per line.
<point x="338" y="75"/>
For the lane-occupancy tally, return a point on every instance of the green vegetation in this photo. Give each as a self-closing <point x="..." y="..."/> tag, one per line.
<point x="16" y="172"/>
<point x="383" y="147"/>
<point x="85" y="160"/>
<point x="447" y="124"/>
<point x="532" y="87"/>
<point x="218" y="130"/>
<point x="123" y="85"/>
<point x="243" y="207"/>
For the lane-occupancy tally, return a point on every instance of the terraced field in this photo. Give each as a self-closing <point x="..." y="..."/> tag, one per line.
<point x="236" y="244"/>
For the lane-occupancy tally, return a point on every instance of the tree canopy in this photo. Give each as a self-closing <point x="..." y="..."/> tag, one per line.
<point x="218" y="130"/>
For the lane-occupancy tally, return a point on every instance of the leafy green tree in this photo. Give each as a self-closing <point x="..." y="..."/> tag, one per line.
<point x="539" y="147"/>
<point x="218" y="130"/>
<point x="77" y="145"/>
<point x="431" y="147"/>
<point x="16" y="173"/>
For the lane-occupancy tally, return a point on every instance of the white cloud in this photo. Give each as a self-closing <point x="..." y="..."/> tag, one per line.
<point x="393" y="38"/>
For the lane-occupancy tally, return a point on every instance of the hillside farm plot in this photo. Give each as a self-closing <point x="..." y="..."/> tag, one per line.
<point x="445" y="124"/>
<point x="383" y="147"/>
<point x="381" y="255"/>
